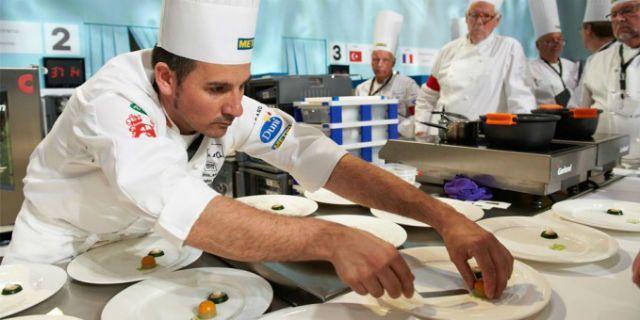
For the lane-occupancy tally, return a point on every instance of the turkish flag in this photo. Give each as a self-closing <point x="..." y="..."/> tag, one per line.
<point x="355" y="56"/>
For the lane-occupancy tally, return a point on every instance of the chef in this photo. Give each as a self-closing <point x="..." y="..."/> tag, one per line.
<point x="611" y="79"/>
<point x="552" y="78"/>
<point x="597" y="34"/>
<point x="636" y="270"/>
<point x="386" y="82"/>
<point x="477" y="74"/>
<point x="137" y="144"/>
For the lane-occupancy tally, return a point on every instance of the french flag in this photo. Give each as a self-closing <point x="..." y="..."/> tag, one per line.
<point x="407" y="58"/>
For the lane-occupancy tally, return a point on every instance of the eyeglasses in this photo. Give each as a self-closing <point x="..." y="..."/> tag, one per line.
<point x="551" y="43"/>
<point x="626" y="13"/>
<point x="484" y="18"/>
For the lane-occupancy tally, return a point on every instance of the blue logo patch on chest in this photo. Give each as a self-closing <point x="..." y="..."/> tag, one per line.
<point x="270" y="129"/>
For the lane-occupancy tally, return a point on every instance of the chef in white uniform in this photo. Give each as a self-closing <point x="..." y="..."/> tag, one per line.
<point x="477" y="74"/>
<point x="611" y="79"/>
<point x="553" y="79"/>
<point x="597" y="34"/>
<point x="386" y="82"/>
<point x="137" y="144"/>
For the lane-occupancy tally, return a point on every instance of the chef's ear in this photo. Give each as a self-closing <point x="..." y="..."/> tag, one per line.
<point x="166" y="79"/>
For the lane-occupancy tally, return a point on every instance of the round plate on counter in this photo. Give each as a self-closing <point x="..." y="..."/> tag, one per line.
<point x="119" y="262"/>
<point x="526" y="294"/>
<point x="385" y="230"/>
<point x="45" y="317"/>
<point x="325" y="196"/>
<point x="575" y="243"/>
<point x="291" y="205"/>
<point x="38" y="282"/>
<point x="177" y="295"/>
<point x="594" y="213"/>
<point x="467" y="209"/>
<point x="342" y="311"/>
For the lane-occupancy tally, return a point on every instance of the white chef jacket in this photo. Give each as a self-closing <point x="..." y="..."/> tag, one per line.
<point x="546" y="84"/>
<point x="114" y="165"/>
<point x="399" y="87"/>
<point x="600" y="88"/>
<point x="474" y="80"/>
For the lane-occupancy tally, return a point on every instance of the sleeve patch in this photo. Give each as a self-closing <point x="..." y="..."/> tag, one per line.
<point x="270" y="129"/>
<point x="138" y="127"/>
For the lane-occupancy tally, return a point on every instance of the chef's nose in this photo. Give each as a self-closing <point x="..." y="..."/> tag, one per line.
<point x="233" y="106"/>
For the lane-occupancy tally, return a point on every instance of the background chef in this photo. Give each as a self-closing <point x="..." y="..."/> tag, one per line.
<point x="137" y="143"/>
<point x="552" y="78"/>
<point x="386" y="82"/>
<point x="477" y="74"/>
<point x="611" y="79"/>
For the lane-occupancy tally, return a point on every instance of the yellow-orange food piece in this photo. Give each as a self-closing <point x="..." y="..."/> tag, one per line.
<point x="206" y="310"/>
<point x="147" y="262"/>
<point x="478" y="289"/>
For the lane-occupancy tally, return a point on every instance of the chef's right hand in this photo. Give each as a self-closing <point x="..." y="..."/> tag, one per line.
<point x="370" y="265"/>
<point x="464" y="240"/>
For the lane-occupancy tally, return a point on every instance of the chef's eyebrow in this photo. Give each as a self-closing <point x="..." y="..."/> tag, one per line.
<point x="224" y="83"/>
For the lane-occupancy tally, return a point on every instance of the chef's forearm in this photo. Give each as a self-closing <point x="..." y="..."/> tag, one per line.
<point x="374" y="187"/>
<point x="230" y="229"/>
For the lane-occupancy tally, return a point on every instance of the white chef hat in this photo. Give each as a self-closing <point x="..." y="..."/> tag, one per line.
<point x="544" y="14"/>
<point x="597" y="10"/>
<point x="214" y="31"/>
<point x="458" y="28"/>
<point x="387" y="31"/>
<point x="495" y="3"/>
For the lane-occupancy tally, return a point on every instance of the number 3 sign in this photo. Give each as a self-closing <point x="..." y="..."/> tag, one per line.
<point x="62" y="39"/>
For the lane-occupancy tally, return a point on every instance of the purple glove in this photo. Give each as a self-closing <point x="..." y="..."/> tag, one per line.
<point x="463" y="188"/>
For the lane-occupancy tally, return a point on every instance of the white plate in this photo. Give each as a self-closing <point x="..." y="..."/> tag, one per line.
<point x="337" y="311"/>
<point x="521" y="235"/>
<point x="118" y="262"/>
<point x="45" y="317"/>
<point x="177" y="295"/>
<point x="594" y="213"/>
<point x="469" y="210"/>
<point x="38" y="281"/>
<point x="527" y="291"/>
<point x="293" y="205"/>
<point x="385" y="230"/>
<point x="325" y="196"/>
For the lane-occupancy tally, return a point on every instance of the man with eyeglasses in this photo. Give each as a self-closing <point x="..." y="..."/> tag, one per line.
<point x="385" y="82"/>
<point x="552" y="78"/>
<point x="611" y="80"/>
<point x="476" y="74"/>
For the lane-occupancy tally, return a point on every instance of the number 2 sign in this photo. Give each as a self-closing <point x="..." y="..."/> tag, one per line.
<point x="62" y="39"/>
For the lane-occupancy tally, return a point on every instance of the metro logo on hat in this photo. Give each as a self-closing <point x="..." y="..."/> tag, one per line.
<point x="212" y="31"/>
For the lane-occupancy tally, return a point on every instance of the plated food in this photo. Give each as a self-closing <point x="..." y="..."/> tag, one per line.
<point x="599" y="213"/>
<point x="25" y="285"/>
<point x="197" y="294"/>
<point x="130" y="260"/>
<point x="551" y="241"/>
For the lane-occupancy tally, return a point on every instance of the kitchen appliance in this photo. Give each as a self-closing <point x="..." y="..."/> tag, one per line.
<point x="519" y="131"/>
<point x="575" y="124"/>
<point x="256" y="177"/>
<point x="282" y="91"/>
<point x="610" y="148"/>
<point x="20" y="132"/>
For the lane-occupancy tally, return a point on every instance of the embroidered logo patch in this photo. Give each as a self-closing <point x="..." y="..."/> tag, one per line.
<point x="137" y="108"/>
<point x="270" y="129"/>
<point x="281" y="138"/>
<point x="137" y="127"/>
<point x="245" y="43"/>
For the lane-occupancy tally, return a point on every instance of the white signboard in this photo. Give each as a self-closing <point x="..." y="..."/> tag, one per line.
<point x="61" y="39"/>
<point x="338" y="53"/>
<point x="20" y="37"/>
<point x="359" y="53"/>
<point x="426" y="57"/>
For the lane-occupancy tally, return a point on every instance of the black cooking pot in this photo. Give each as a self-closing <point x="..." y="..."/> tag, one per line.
<point x="519" y="131"/>
<point x="575" y="124"/>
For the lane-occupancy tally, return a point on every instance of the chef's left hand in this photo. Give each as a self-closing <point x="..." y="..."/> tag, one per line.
<point x="635" y="272"/>
<point x="464" y="240"/>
